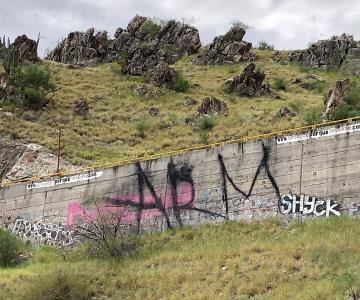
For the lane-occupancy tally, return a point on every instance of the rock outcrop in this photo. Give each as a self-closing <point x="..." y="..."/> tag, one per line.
<point x="147" y="44"/>
<point x="337" y="95"/>
<point x="211" y="105"/>
<point x="325" y="54"/>
<point x="227" y="49"/>
<point x="142" y="46"/>
<point x="26" y="49"/>
<point x="250" y="83"/>
<point x="82" y="48"/>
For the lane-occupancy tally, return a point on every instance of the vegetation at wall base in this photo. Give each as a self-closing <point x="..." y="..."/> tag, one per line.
<point x="270" y="259"/>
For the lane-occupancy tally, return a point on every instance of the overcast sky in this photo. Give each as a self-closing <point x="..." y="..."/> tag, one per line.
<point x="288" y="24"/>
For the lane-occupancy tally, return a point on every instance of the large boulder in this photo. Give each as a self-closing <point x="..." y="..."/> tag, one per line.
<point x="163" y="76"/>
<point x="325" y="54"/>
<point x="250" y="83"/>
<point x="82" y="48"/>
<point x="227" y="49"/>
<point x="337" y="95"/>
<point x="211" y="106"/>
<point x="26" y="49"/>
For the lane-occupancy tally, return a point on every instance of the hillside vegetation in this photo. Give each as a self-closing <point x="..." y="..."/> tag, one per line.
<point x="319" y="259"/>
<point x="118" y="125"/>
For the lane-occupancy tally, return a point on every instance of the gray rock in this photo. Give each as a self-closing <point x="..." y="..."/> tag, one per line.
<point x="337" y="95"/>
<point x="153" y="111"/>
<point x="250" y="83"/>
<point x="309" y="82"/>
<point x="163" y="76"/>
<point x="26" y="49"/>
<point x="285" y="112"/>
<point x="325" y="54"/>
<point x="211" y="105"/>
<point x="82" y="49"/>
<point x="81" y="107"/>
<point x="142" y="46"/>
<point x="227" y="49"/>
<point x="351" y="67"/>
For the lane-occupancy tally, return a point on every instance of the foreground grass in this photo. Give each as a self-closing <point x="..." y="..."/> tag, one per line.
<point x="318" y="259"/>
<point x="109" y="132"/>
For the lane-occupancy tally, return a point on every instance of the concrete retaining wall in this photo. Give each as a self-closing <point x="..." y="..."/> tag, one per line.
<point x="313" y="174"/>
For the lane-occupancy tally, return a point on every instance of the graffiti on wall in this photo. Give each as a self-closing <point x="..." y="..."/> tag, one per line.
<point x="147" y="202"/>
<point x="264" y="165"/>
<point x="42" y="231"/>
<point x="307" y="205"/>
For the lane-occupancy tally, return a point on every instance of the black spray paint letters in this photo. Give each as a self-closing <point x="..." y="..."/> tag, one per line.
<point x="307" y="205"/>
<point x="263" y="165"/>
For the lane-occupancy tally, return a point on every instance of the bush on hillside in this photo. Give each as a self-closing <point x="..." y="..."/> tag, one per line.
<point x="263" y="45"/>
<point x="10" y="249"/>
<point x="279" y="84"/>
<point x="58" y="284"/>
<point x="34" y="83"/>
<point x="181" y="84"/>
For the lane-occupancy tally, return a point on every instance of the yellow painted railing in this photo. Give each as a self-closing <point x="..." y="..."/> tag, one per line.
<point x="182" y="151"/>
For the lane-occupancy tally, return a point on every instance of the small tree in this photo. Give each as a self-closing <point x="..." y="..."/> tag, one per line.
<point x="105" y="228"/>
<point x="264" y="45"/>
<point x="35" y="84"/>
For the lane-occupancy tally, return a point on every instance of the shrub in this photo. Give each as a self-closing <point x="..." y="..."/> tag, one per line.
<point x="10" y="249"/>
<point x="263" y="45"/>
<point x="343" y="111"/>
<point x="142" y="126"/>
<point x="151" y="27"/>
<point x="34" y="82"/>
<point x="295" y="106"/>
<point x="204" y="137"/>
<point x="313" y="115"/>
<point x="279" y="84"/>
<point x="181" y="84"/>
<point x="206" y="123"/>
<point x="58" y="284"/>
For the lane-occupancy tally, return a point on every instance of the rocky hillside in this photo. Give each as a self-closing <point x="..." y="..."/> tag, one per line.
<point x="153" y="88"/>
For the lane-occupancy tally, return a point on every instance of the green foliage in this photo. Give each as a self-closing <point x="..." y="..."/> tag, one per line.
<point x="239" y="24"/>
<point x="58" y="284"/>
<point x="349" y="109"/>
<point x="10" y="249"/>
<point x="313" y="115"/>
<point x="151" y="28"/>
<point x="204" y="137"/>
<point x="34" y="82"/>
<point x="142" y="126"/>
<point x="279" y="84"/>
<point x="181" y="84"/>
<point x="206" y="123"/>
<point x="263" y="45"/>
<point x="169" y="49"/>
<point x="295" y="106"/>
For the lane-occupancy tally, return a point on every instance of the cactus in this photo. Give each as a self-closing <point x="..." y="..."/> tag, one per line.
<point x="9" y="56"/>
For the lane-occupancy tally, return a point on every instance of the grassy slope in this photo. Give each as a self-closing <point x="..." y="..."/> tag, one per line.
<point x="108" y="133"/>
<point x="319" y="259"/>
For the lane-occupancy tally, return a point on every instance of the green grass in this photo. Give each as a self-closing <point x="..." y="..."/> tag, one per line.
<point x="109" y="133"/>
<point x="317" y="259"/>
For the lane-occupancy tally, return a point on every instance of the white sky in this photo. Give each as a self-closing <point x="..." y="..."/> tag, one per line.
<point x="288" y="24"/>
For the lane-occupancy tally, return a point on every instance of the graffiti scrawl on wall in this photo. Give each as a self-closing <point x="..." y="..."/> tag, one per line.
<point x="42" y="231"/>
<point x="306" y="205"/>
